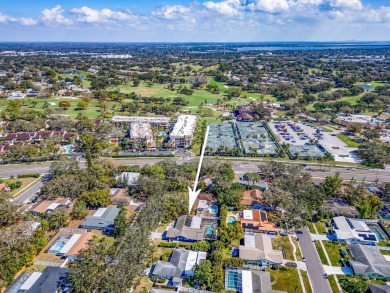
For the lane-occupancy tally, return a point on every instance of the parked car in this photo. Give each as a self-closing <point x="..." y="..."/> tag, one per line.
<point x="291" y="264"/>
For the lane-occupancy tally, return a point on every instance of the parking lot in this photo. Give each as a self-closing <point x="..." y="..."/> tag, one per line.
<point x="297" y="133"/>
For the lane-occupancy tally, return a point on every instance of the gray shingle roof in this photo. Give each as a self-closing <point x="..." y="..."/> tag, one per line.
<point x="376" y="288"/>
<point x="181" y="260"/>
<point x="258" y="247"/>
<point x="105" y="220"/>
<point x="369" y="260"/>
<point x="51" y="279"/>
<point x="183" y="228"/>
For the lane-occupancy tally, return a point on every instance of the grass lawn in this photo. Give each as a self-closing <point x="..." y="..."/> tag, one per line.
<point x="310" y="226"/>
<point x="285" y="279"/>
<point x="298" y="252"/>
<point x="25" y="182"/>
<point x="385" y="252"/>
<point x="333" y="284"/>
<point x="321" y="253"/>
<point x="160" y="90"/>
<point x="321" y="227"/>
<point x="348" y="141"/>
<point x="144" y="285"/>
<point x="92" y="110"/>
<point x="283" y="242"/>
<point x="333" y="251"/>
<point x="353" y="100"/>
<point x="306" y="281"/>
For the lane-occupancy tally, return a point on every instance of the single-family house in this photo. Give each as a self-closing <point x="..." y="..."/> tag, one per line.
<point x="51" y="280"/>
<point x="254" y="198"/>
<point x="378" y="288"/>
<point x="180" y="265"/>
<point x="48" y="206"/>
<point x="102" y="219"/>
<point x="257" y="249"/>
<point x="128" y="178"/>
<point x="245" y="117"/>
<point x="353" y="231"/>
<point x="186" y="228"/>
<point x="4" y="187"/>
<point x="245" y="281"/>
<point x="256" y="221"/>
<point x="369" y="262"/>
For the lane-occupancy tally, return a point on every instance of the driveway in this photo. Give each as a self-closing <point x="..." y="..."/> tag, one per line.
<point x="313" y="263"/>
<point x="322" y="237"/>
<point x="330" y="270"/>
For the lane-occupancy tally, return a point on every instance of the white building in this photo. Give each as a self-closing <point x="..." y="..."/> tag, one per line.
<point x="353" y="231"/>
<point x="141" y="131"/>
<point x="183" y="131"/>
<point x="156" y="121"/>
<point x="16" y="95"/>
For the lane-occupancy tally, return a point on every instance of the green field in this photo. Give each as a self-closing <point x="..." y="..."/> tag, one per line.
<point x="348" y="141"/>
<point x="92" y="111"/>
<point x="86" y="83"/>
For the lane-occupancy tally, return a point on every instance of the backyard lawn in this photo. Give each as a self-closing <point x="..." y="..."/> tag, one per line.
<point x="333" y="251"/>
<point x="285" y="279"/>
<point x="348" y="141"/>
<point x="144" y="286"/>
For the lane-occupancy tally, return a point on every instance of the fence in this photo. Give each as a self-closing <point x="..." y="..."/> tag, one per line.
<point x="49" y="263"/>
<point x="70" y="230"/>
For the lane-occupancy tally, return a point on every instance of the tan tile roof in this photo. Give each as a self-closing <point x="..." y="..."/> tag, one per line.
<point x="80" y="244"/>
<point x="42" y="206"/>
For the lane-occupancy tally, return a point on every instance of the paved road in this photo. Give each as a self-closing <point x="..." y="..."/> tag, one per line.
<point x="23" y="198"/>
<point x="368" y="175"/>
<point x="313" y="263"/>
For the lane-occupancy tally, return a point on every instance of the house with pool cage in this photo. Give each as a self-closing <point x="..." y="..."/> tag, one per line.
<point x="246" y="281"/>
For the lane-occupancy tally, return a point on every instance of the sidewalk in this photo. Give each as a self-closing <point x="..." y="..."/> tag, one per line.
<point x="295" y="259"/>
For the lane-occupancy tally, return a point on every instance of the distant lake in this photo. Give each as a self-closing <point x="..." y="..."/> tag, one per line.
<point x="366" y="87"/>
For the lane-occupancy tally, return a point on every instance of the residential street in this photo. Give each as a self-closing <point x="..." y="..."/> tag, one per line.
<point x="29" y="192"/>
<point x="313" y="263"/>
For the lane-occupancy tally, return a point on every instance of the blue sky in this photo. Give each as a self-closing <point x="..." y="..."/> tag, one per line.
<point x="196" y="21"/>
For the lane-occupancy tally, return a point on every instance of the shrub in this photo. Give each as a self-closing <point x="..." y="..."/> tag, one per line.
<point x="167" y="244"/>
<point x="28" y="175"/>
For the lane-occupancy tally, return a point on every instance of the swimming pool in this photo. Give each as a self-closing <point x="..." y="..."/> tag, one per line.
<point x="377" y="233"/>
<point x="231" y="220"/>
<point x="68" y="148"/>
<point x="213" y="209"/>
<point x="210" y="230"/>
<point x="59" y="243"/>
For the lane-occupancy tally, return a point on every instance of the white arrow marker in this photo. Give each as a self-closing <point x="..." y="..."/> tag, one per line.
<point x="193" y="194"/>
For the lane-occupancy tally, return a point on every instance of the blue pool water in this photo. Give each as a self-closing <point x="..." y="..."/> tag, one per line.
<point x="231" y="220"/>
<point x="210" y="230"/>
<point x="68" y="147"/>
<point x="214" y="209"/>
<point x="377" y="233"/>
<point x="56" y="247"/>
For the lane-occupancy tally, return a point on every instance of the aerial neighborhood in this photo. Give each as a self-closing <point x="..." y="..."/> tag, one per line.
<point x="102" y="151"/>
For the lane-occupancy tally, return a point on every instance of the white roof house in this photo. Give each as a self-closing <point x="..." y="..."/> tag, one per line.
<point x="353" y="231"/>
<point x="128" y="177"/>
<point x="30" y="281"/>
<point x="184" y="126"/>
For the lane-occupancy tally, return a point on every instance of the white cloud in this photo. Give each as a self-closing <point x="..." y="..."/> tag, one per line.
<point x="5" y="18"/>
<point x="54" y="16"/>
<point x="90" y="15"/>
<point x="270" y="6"/>
<point x="227" y="7"/>
<point x="172" y="12"/>
<point x="27" y="21"/>
<point x="346" y="4"/>
<point x="20" y="20"/>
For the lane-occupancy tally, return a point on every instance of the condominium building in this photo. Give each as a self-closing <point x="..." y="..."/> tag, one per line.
<point x="183" y="131"/>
